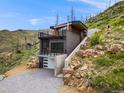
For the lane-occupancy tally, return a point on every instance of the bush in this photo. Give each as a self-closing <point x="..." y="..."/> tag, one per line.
<point x="97" y="38"/>
<point x="117" y="56"/>
<point x="104" y="61"/>
<point x="116" y="22"/>
<point x="118" y="30"/>
<point x="118" y="70"/>
<point x="111" y="83"/>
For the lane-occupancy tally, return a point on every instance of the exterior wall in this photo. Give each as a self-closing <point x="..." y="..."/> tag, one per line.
<point x="60" y="61"/>
<point x="54" y="62"/>
<point x="72" y="40"/>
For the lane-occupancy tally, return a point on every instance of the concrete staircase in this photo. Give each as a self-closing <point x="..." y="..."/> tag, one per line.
<point x="89" y="34"/>
<point x="68" y="59"/>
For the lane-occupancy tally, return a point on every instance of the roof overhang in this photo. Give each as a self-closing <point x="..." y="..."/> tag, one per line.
<point x="76" y="24"/>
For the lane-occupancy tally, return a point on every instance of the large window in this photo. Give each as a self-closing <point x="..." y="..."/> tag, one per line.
<point x="57" y="47"/>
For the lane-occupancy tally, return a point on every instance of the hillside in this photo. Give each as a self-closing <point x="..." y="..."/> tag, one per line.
<point x="17" y="47"/>
<point x="11" y="39"/>
<point x="99" y="65"/>
<point x="112" y="16"/>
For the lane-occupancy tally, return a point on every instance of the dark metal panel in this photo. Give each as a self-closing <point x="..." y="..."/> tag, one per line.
<point x="40" y="62"/>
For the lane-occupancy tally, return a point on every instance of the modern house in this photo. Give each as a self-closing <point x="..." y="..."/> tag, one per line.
<point x="56" y="45"/>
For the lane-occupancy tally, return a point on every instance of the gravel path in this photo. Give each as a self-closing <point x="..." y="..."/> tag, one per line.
<point x="38" y="81"/>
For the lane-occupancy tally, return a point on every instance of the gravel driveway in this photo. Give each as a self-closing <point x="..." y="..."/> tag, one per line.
<point x="38" y="81"/>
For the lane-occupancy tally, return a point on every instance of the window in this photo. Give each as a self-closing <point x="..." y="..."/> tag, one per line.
<point x="62" y="31"/>
<point x="57" y="47"/>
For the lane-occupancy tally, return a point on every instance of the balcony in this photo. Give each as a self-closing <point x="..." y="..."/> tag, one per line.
<point x="50" y="35"/>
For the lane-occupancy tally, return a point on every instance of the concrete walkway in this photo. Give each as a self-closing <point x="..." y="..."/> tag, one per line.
<point x="92" y="31"/>
<point x="38" y="81"/>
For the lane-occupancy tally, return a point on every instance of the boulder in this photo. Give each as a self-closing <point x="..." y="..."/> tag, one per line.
<point x="99" y="47"/>
<point x="100" y="52"/>
<point x="67" y="75"/>
<point x="77" y="75"/>
<point x="115" y="48"/>
<point x="122" y="42"/>
<point x="2" y="77"/>
<point x="32" y="65"/>
<point x="84" y="68"/>
<point x="121" y="16"/>
<point x="88" y="53"/>
<point x="82" y="88"/>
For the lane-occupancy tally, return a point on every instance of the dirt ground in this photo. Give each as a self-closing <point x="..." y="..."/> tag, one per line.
<point x="66" y="89"/>
<point x="18" y="69"/>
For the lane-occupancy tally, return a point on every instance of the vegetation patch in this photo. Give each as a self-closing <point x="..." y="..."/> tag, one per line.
<point x="117" y="22"/>
<point x="119" y="70"/>
<point x="97" y="38"/>
<point x="104" y="61"/>
<point x="111" y="83"/>
<point x="117" y="56"/>
<point x="18" y="58"/>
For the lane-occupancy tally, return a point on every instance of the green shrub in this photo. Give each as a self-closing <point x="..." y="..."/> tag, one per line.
<point x="103" y="61"/>
<point x="117" y="56"/>
<point x="118" y="30"/>
<point x="97" y="38"/>
<point x="111" y="83"/>
<point x="116" y="22"/>
<point x="118" y="70"/>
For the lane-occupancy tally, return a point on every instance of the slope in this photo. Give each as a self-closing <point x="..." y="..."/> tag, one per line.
<point x="99" y="65"/>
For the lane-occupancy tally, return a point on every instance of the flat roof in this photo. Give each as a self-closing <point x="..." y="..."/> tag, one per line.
<point x="76" y="24"/>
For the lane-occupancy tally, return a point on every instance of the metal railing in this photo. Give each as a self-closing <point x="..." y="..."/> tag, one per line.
<point x="41" y="34"/>
<point x="50" y="53"/>
<point x="50" y="34"/>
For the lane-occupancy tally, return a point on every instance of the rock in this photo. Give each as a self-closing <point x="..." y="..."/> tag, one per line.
<point x="77" y="75"/>
<point x="82" y="88"/>
<point x="115" y="48"/>
<point x="71" y="83"/>
<point x="32" y="65"/>
<point x="67" y="75"/>
<point x="100" y="52"/>
<point x="68" y="71"/>
<point x="121" y="16"/>
<point x="98" y="47"/>
<point x="72" y="66"/>
<point x="122" y="42"/>
<point x="89" y="53"/>
<point x="2" y="77"/>
<point x="74" y="63"/>
<point x="82" y="74"/>
<point x="84" y="46"/>
<point x="84" y="68"/>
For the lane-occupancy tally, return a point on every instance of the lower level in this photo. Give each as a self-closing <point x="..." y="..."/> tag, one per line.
<point x="55" y="62"/>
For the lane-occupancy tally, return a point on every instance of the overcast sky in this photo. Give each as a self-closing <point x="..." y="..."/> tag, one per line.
<point x="40" y="14"/>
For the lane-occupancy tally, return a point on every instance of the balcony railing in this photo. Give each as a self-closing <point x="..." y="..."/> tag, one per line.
<point x="50" y="54"/>
<point x="49" y="35"/>
<point x="41" y="34"/>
